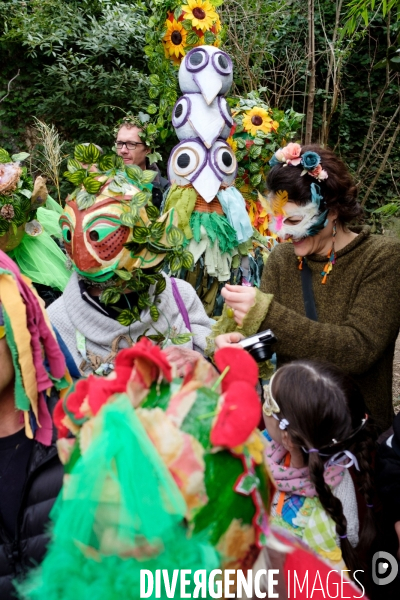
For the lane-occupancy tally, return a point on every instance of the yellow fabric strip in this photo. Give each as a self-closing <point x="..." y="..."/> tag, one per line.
<point x="2" y="331"/>
<point x="15" y="308"/>
<point x="28" y="429"/>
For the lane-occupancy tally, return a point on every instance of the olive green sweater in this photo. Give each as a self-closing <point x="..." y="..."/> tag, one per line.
<point x="358" y="313"/>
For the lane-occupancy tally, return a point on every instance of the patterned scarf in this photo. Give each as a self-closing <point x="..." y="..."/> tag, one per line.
<point x="297" y="480"/>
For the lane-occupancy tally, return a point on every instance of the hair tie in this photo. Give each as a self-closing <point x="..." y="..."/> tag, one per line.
<point x="309" y="450"/>
<point x="343" y="537"/>
<point x="370" y="506"/>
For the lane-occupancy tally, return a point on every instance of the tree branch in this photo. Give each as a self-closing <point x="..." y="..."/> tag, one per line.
<point x="9" y="87"/>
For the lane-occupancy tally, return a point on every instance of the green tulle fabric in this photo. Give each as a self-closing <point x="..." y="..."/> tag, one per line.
<point x="40" y="259"/>
<point x="120" y="512"/>
<point x="217" y="227"/>
<point x="49" y="217"/>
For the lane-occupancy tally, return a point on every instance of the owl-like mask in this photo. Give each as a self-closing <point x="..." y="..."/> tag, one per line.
<point x="192" y="118"/>
<point x="191" y="162"/>
<point x="206" y="70"/>
<point x="309" y="219"/>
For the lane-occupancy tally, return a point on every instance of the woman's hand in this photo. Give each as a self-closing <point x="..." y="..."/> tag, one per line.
<point x="228" y="339"/>
<point x="180" y="357"/>
<point x="240" y="298"/>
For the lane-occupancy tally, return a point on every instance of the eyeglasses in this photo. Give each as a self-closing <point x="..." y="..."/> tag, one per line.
<point x="129" y="145"/>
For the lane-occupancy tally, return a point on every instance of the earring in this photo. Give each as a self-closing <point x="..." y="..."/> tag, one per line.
<point x="331" y="256"/>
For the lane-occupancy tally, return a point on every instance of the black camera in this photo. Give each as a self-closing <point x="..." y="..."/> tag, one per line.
<point x="259" y="345"/>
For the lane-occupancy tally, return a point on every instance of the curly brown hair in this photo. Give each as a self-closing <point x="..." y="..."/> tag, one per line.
<point x="338" y="190"/>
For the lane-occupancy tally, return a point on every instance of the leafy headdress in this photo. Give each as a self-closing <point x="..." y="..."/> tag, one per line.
<point x="115" y="236"/>
<point x="148" y="132"/>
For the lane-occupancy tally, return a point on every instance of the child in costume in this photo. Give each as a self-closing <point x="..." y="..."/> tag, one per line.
<point x="28" y="219"/>
<point x="30" y="472"/>
<point x="317" y="420"/>
<point x="163" y="473"/>
<point x="118" y="245"/>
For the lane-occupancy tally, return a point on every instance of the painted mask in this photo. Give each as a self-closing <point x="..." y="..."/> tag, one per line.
<point x="191" y="162"/>
<point x="313" y="219"/>
<point x="95" y="237"/>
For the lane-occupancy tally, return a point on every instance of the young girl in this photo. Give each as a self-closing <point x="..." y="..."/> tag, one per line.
<point x="317" y="420"/>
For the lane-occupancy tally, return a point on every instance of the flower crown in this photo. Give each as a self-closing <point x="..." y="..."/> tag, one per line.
<point x="310" y="161"/>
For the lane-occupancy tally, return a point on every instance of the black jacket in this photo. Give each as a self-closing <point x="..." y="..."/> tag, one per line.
<point x="28" y="547"/>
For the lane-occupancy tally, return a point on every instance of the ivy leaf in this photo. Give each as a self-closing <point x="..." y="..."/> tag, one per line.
<point x="134" y="172"/>
<point x="77" y="178"/>
<point x="175" y="236"/>
<point x="73" y="165"/>
<point x="129" y="220"/>
<point x="154" y="312"/>
<point x="181" y="338"/>
<point x="115" y="187"/>
<point x="140" y="234"/>
<point x="148" y="176"/>
<point x="255" y="180"/>
<point x="152" y="109"/>
<point x="128" y="316"/>
<point x="177" y="13"/>
<point x="91" y="154"/>
<point x="106" y="162"/>
<point x="187" y="259"/>
<point x="186" y="24"/>
<point x="152" y="211"/>
<point x="192" y="38"/>
<point x="20" y="156"/>
<point x="141" y="198"/>
<point x="158" y="338"/>
<point x="4" y="158"/>
<point x="160" y="287"/>
<point x="255" y="151"/>
<point x="79" y="153"/>
<point x="157" y="230"/>
<point x="91" y="185"/>
<point x="125" y="275"/>
<point x="176" y="263"/>
<point x="144" y="301"/>
<point x="84" y="200"/>
<point x="154" y="79"/>
<point x="154" y="92"/>
<point x="209" y="38"/>
<point x="110" y="296"/>
<point x="254" y="167"/>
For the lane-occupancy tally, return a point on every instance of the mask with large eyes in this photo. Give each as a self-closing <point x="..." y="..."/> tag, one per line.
<point x="223" y="160"/>
<point x="191" y="162"/>
<point x="206" y="70"/>
<point x="192" y="118"/>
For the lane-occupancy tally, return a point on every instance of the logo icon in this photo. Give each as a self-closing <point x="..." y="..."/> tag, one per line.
<point x="384" y="568"/>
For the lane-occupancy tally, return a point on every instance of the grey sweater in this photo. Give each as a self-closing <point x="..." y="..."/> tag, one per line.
<point x="71" y="314"/>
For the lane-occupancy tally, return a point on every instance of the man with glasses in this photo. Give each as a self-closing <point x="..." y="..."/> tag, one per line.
<point x="133" y="150"/>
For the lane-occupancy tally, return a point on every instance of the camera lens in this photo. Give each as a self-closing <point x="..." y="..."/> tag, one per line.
<point x="260" y="351"/>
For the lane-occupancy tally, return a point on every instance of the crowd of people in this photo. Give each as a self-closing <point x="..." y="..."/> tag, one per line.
<point x="330" y="442"/>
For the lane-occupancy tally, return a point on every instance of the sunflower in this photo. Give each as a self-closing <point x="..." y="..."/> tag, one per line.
<point x="201" y="13"/>
<point x="232" y="143"/>
<point x="257" y="119"/>
<point x="174" y="39"/>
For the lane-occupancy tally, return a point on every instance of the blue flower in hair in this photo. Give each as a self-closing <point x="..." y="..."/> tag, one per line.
<point x="310" y="160"/>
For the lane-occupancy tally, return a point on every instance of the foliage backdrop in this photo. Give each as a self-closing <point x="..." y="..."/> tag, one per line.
<point x="81" y="63"/>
